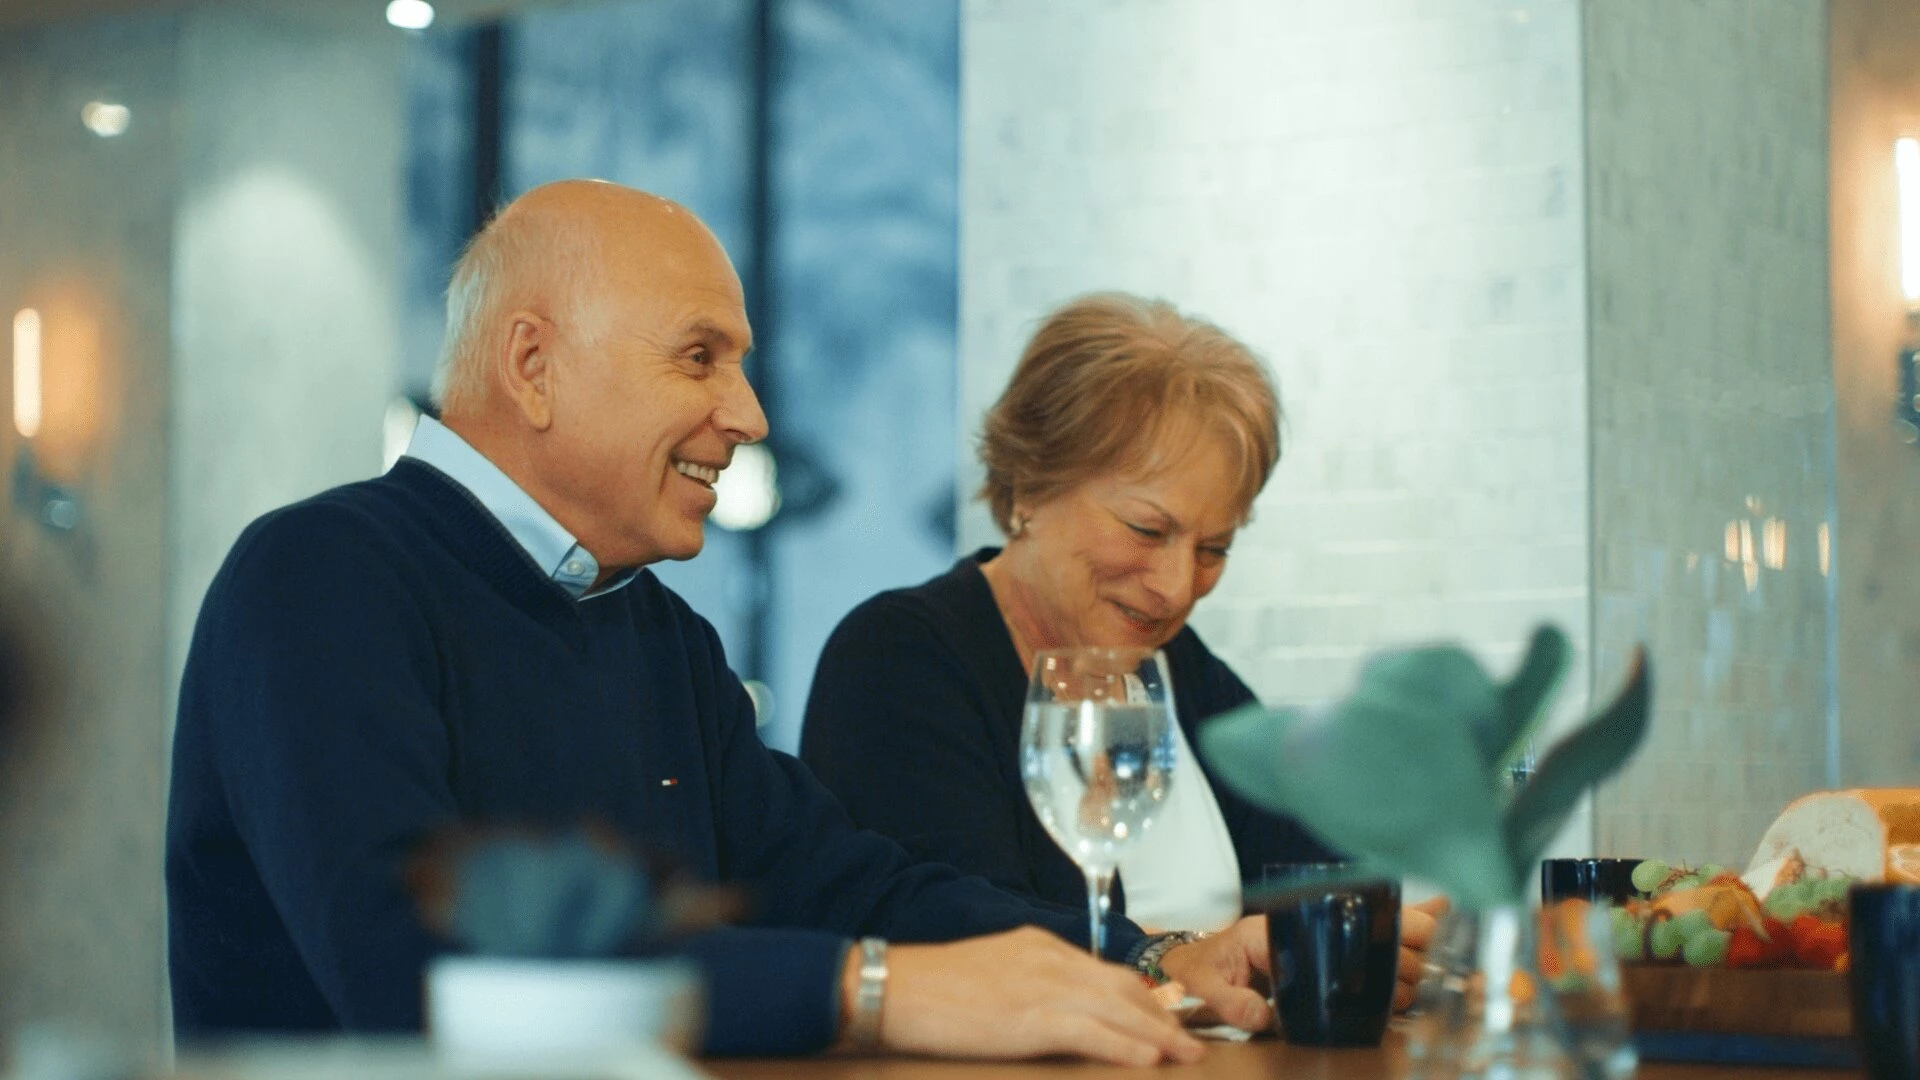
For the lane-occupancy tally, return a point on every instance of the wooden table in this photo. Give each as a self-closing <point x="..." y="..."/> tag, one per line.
<point x="1262" y="1059"/>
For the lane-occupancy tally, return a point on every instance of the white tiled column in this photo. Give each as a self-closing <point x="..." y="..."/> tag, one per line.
<point x="1713" y="410"/>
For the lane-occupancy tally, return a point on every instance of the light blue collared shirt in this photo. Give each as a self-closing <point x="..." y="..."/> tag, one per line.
<point x="551" y="547"/>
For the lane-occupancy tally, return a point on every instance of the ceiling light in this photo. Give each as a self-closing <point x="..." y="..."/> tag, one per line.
<point x="410" y="14"/>
<point x="105" y="118"/>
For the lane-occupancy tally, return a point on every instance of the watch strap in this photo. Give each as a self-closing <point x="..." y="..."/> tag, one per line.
<point x="870" y="994"/>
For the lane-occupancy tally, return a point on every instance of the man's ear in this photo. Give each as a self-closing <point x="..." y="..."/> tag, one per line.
<point x="525" y="367"/>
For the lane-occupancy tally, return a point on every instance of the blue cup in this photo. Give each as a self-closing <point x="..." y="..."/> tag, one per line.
<point x="1883" y="946"/>
<point x="1335" y="953"/>
<point x="1596" y="880"/>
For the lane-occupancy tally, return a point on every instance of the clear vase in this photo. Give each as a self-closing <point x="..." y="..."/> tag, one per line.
<point x="1513" y="994"/>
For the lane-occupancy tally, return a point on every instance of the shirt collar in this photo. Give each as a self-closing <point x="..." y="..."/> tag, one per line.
<point x="551" y="547"/>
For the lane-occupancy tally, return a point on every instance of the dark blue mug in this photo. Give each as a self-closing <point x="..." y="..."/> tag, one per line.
<point x="1595" y="880"/>
<point x="1883" y="947"/>
<point x="1335" y="954"/>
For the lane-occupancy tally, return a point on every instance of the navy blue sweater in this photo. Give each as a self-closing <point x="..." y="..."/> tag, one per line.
<point x="914" y="723"/>
<point x="383" y="660"/>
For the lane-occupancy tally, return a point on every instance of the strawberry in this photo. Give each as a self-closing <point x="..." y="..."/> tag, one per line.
<point x="1817" y="943"/>
<point x="1745" y="949"/>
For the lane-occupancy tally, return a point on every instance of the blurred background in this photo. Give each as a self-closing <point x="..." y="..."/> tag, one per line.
<point x="1594" y="311"/>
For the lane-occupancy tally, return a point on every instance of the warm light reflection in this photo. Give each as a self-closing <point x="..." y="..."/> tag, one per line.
<point x="106" y="118"/>
<point x="1733" y="541"/>
<point x="78" y="375"/>
<point x="1825" y="550"/>
<point x="26" y="372"/>
<point x="1773" y="544"/>
<point x="1906" y="166"/>
<point x="1746" y="542"/>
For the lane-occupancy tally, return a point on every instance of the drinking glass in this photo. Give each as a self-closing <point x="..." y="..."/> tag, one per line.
<point x="1097" y="754"/>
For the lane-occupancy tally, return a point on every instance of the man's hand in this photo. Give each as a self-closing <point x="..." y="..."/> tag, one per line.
<point x="1418" y="922"/>
<point x="1021" y="994"/>
<point x="1219" y="970"/>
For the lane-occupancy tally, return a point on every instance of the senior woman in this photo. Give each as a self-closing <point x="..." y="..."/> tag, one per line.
<point x="1120" y="461"/>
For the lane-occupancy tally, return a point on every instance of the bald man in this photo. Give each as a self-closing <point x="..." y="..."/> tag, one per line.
<point x="473" y="637"/>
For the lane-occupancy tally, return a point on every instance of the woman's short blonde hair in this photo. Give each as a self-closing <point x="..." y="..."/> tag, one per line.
<point x="1114" y="382"/>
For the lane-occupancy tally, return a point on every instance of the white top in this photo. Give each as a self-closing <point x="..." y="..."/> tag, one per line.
<point x="1183" y="874"/>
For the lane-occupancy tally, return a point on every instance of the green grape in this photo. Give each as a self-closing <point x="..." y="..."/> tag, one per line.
<point x="1629" y="940"/>
<point x="1572" y="983"/>
<point x="1832" y="890"/>
<point x="1711" y="871"/>
<point x="1706" y="948"/>
<point x="1692" y="924"/>
<point x="1649" y="874"/>
<point x="1786" y="902"/>
<point x="1691" y="881"/>
<point x="1666" y="940"/>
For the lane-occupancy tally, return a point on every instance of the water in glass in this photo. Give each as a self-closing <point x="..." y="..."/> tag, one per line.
<point x="1097" y="755"/>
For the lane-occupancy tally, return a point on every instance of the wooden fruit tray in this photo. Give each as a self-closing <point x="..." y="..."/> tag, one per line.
<point x="1750" y="1001"/>
<point x="1752" y="1016"/>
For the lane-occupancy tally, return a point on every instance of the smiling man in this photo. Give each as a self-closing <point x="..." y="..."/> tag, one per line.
<point x="474" y="638"/>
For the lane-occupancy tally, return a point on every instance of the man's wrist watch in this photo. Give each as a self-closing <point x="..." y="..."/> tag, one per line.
<point x="1147" y="959"/>
<point x="870" y="996"/>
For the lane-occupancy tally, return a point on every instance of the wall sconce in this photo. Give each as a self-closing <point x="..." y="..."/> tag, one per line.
<point x="53" y="506"/>
<point x="1906" y="167"/>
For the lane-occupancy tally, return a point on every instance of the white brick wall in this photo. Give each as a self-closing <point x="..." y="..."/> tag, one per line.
<point x="1384" y="198"/>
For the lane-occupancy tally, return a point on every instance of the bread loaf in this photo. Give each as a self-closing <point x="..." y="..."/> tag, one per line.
<point x="1868" y="833"/>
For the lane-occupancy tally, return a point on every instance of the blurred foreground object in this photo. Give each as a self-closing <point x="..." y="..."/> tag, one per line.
<point x="1411" y="773"/>
<point x="575" y="894"/>
<point x="1886" y="979"/>
<point x="554" y="925"/>
<point x="401" y="1058"/>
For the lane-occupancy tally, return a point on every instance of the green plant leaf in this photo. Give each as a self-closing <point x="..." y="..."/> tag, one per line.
<point x="1575" y="764"/>
<point x="1392" y="774"/>
<point x="1407" y="774"/>
<point x="1524" y="698"/>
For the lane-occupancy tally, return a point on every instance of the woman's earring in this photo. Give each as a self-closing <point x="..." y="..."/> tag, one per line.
<point x="1017" y="527"/>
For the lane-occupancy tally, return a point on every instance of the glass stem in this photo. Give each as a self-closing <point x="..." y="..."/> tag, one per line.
<point x="1097" y="904"/>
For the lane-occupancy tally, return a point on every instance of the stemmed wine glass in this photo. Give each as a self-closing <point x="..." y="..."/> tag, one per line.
<point x="1097" y="753"/>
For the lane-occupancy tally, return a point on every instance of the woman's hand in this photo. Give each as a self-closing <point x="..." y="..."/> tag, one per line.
<point x="1418" y="923"/>
<point x="1219" y="970"/>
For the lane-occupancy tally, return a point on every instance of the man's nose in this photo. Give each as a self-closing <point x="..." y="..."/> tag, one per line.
<point x="739" y="416"/>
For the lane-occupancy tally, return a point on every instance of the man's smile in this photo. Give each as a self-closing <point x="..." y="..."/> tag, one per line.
<point x="692" y="470"/>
